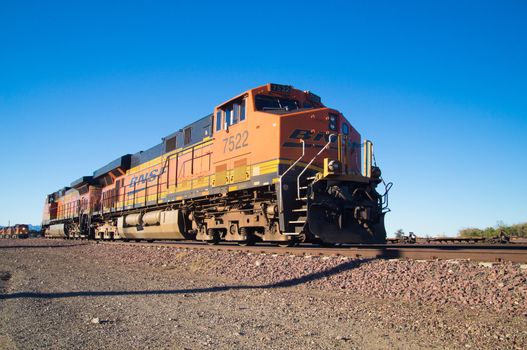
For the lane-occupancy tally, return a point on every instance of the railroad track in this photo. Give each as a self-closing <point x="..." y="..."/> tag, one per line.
<point x="479" y="253"/>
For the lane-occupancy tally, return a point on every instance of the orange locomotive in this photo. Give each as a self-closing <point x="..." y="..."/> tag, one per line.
<point x="17" y="231"/>
<point x="271" y="164"/>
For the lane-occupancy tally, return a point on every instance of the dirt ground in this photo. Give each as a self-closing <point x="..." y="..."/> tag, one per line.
<point x="80" y="295"/>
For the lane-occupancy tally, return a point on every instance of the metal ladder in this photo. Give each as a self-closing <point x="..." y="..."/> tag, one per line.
<point x="281" y="207"/>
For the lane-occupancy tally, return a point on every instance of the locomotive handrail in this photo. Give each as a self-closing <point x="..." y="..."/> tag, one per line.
<point x="311" y="162"/>
<point x="291" y="167"/>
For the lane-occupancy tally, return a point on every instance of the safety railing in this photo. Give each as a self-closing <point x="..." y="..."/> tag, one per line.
<point x="298" y="188"/>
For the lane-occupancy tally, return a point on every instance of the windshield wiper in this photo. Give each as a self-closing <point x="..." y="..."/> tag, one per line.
<point x="275" y="109"/>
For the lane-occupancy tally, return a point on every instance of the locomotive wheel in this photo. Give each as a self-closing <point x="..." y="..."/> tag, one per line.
<point x="285" y="244"/>
<point x="215" y="237"/>
<point x="295" y="241"/>
<point x="249" y="241"/>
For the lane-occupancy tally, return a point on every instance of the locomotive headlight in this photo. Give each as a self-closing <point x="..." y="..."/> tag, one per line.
<point x="333" y="122"/>
<point x="335" y="166"/>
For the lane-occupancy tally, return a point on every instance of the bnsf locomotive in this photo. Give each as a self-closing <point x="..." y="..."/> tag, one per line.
<point x="17" y="231"/>
<point x="272" y="164"/>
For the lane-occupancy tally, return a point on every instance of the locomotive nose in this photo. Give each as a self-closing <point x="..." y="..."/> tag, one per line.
<point x="345" y="212"/>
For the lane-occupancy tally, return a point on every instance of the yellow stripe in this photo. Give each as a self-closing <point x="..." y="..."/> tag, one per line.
<point x="204" y="182"/>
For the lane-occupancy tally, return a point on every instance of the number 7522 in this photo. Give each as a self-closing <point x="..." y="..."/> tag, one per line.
<point x="236" y="141"/>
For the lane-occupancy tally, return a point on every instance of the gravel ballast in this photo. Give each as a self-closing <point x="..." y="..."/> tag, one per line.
<point x="73" y="294"/>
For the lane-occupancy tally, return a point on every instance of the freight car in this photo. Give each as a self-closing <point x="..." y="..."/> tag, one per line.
<point x="271" y="164"/>
<point x="17" y="231"/>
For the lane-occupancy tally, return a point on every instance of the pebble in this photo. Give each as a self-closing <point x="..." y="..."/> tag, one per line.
<point x="486" y="264"/>
<point x="469" y="287"/>
<point x="439" y="282"/>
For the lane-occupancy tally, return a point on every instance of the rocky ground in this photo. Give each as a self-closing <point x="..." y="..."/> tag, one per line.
<point x="79" y="295"/>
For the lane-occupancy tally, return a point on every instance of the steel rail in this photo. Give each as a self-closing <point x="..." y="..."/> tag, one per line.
<point x="486" y="253"/>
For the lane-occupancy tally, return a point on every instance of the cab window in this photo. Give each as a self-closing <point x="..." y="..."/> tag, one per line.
<point x="228" y="116"/>
<point x="218" y="120"/>
<point x="242" y="110"/>
<point x="274" y="103"/>
<point x="233" y="113"/>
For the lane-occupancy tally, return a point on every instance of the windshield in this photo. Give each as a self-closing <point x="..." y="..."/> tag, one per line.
<point x="270" y="103"/>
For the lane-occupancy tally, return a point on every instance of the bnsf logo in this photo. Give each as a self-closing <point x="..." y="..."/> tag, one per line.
<point x="309" y="135"/>
<point x="149" y="176"/>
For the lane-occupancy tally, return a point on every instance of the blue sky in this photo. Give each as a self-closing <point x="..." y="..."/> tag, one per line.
<point x="440" y="87"/>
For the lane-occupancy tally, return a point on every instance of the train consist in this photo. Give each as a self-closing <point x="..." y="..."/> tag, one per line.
<point x="272" y="164"/>
<point x="17" y="231"/>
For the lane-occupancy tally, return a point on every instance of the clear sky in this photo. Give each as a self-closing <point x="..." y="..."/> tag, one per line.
<point x="440" y="87"/>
